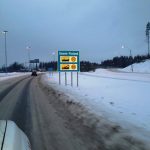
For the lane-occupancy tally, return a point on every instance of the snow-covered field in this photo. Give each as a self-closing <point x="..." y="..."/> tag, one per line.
<point x="5" y="76"/>
<point x="120" y="96"/>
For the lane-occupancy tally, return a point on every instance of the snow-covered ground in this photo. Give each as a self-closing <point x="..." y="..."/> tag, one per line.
<point x="120" y="96"/>
<point x="5" y="76"/>
<point x="139" y="67"/>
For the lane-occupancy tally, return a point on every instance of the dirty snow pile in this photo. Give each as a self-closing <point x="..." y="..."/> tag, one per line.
<point x="5" y="76"/>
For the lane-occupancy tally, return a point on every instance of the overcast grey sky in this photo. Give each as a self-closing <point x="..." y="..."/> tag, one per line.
<point x="97" y="28"/>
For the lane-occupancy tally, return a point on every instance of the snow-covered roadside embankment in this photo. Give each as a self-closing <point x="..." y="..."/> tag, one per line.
<point x="119" y="97"/>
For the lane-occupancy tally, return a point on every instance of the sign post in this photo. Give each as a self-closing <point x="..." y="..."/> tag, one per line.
<point x="68" y="61"/>
<point x="59" y="79"/>
<point x="77" y="79"/>
<point x="66" y="78"/>
<point x="71" y="78"/>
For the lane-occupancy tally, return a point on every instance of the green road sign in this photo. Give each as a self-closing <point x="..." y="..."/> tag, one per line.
<point x="68" y="61"/>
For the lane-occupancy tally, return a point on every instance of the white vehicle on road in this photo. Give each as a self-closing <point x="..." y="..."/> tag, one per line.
<point x="12" y="138"/>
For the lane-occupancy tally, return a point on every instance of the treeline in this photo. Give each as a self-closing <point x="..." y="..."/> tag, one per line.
<point x="123" y="61"/>
<point x="15" y="67"/>
<point x="116" y="62"/>
<point x="84" y="66"/>
<point x="46" y="65"/>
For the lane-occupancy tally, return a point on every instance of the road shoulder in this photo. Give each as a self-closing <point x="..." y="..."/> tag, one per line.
<point x="102" y="132"/>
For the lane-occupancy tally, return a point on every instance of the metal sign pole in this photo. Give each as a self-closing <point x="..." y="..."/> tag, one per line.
<point x="77" y="79"/>
<point x="71" y="78"/>
<point x="59" y="78"/>
<point x="66" y="78"/>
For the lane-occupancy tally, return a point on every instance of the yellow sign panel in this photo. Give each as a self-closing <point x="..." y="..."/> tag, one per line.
<point x="68" y="67"/>
<point x="69" y="59"/>
<point x="64" y="58"/>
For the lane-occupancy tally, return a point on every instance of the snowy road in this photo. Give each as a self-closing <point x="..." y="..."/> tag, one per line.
<point x="6" y="76"/>
<point x="52" y="120"/>
<point x="46" y="121"/>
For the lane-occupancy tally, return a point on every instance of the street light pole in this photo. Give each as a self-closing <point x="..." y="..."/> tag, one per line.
<point x="53" y="53"/>
<point x="130" y="55"/>
<point x="5" y="32"/>
<point x="148" y="43"/>
<point x="28" y="48"/>
<point x="147" y="34"/>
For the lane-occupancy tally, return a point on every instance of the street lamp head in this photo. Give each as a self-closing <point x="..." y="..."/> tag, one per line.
<point x="53" y="53"/>
<point x="28" y="47"/>
<point x="3" y="32"/>
<point x="122" y="46"/>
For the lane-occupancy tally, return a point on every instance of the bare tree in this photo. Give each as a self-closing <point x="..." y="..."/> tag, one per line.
<point x="147" y="35"/>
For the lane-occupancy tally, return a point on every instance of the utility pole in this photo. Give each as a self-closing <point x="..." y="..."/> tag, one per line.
<point x="148" y="41"/>
<point x="5" y="32"/>
<point x="28" y="49"/>
<point x="131" y="58"/>
<point x="129" y="55"/>
<point x="147" y="35"/>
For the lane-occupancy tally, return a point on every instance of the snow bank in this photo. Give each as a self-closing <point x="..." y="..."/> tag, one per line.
<point x="5" y="76"/>
<point x="121" y="97"/>
<point x="143" y="67"/>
